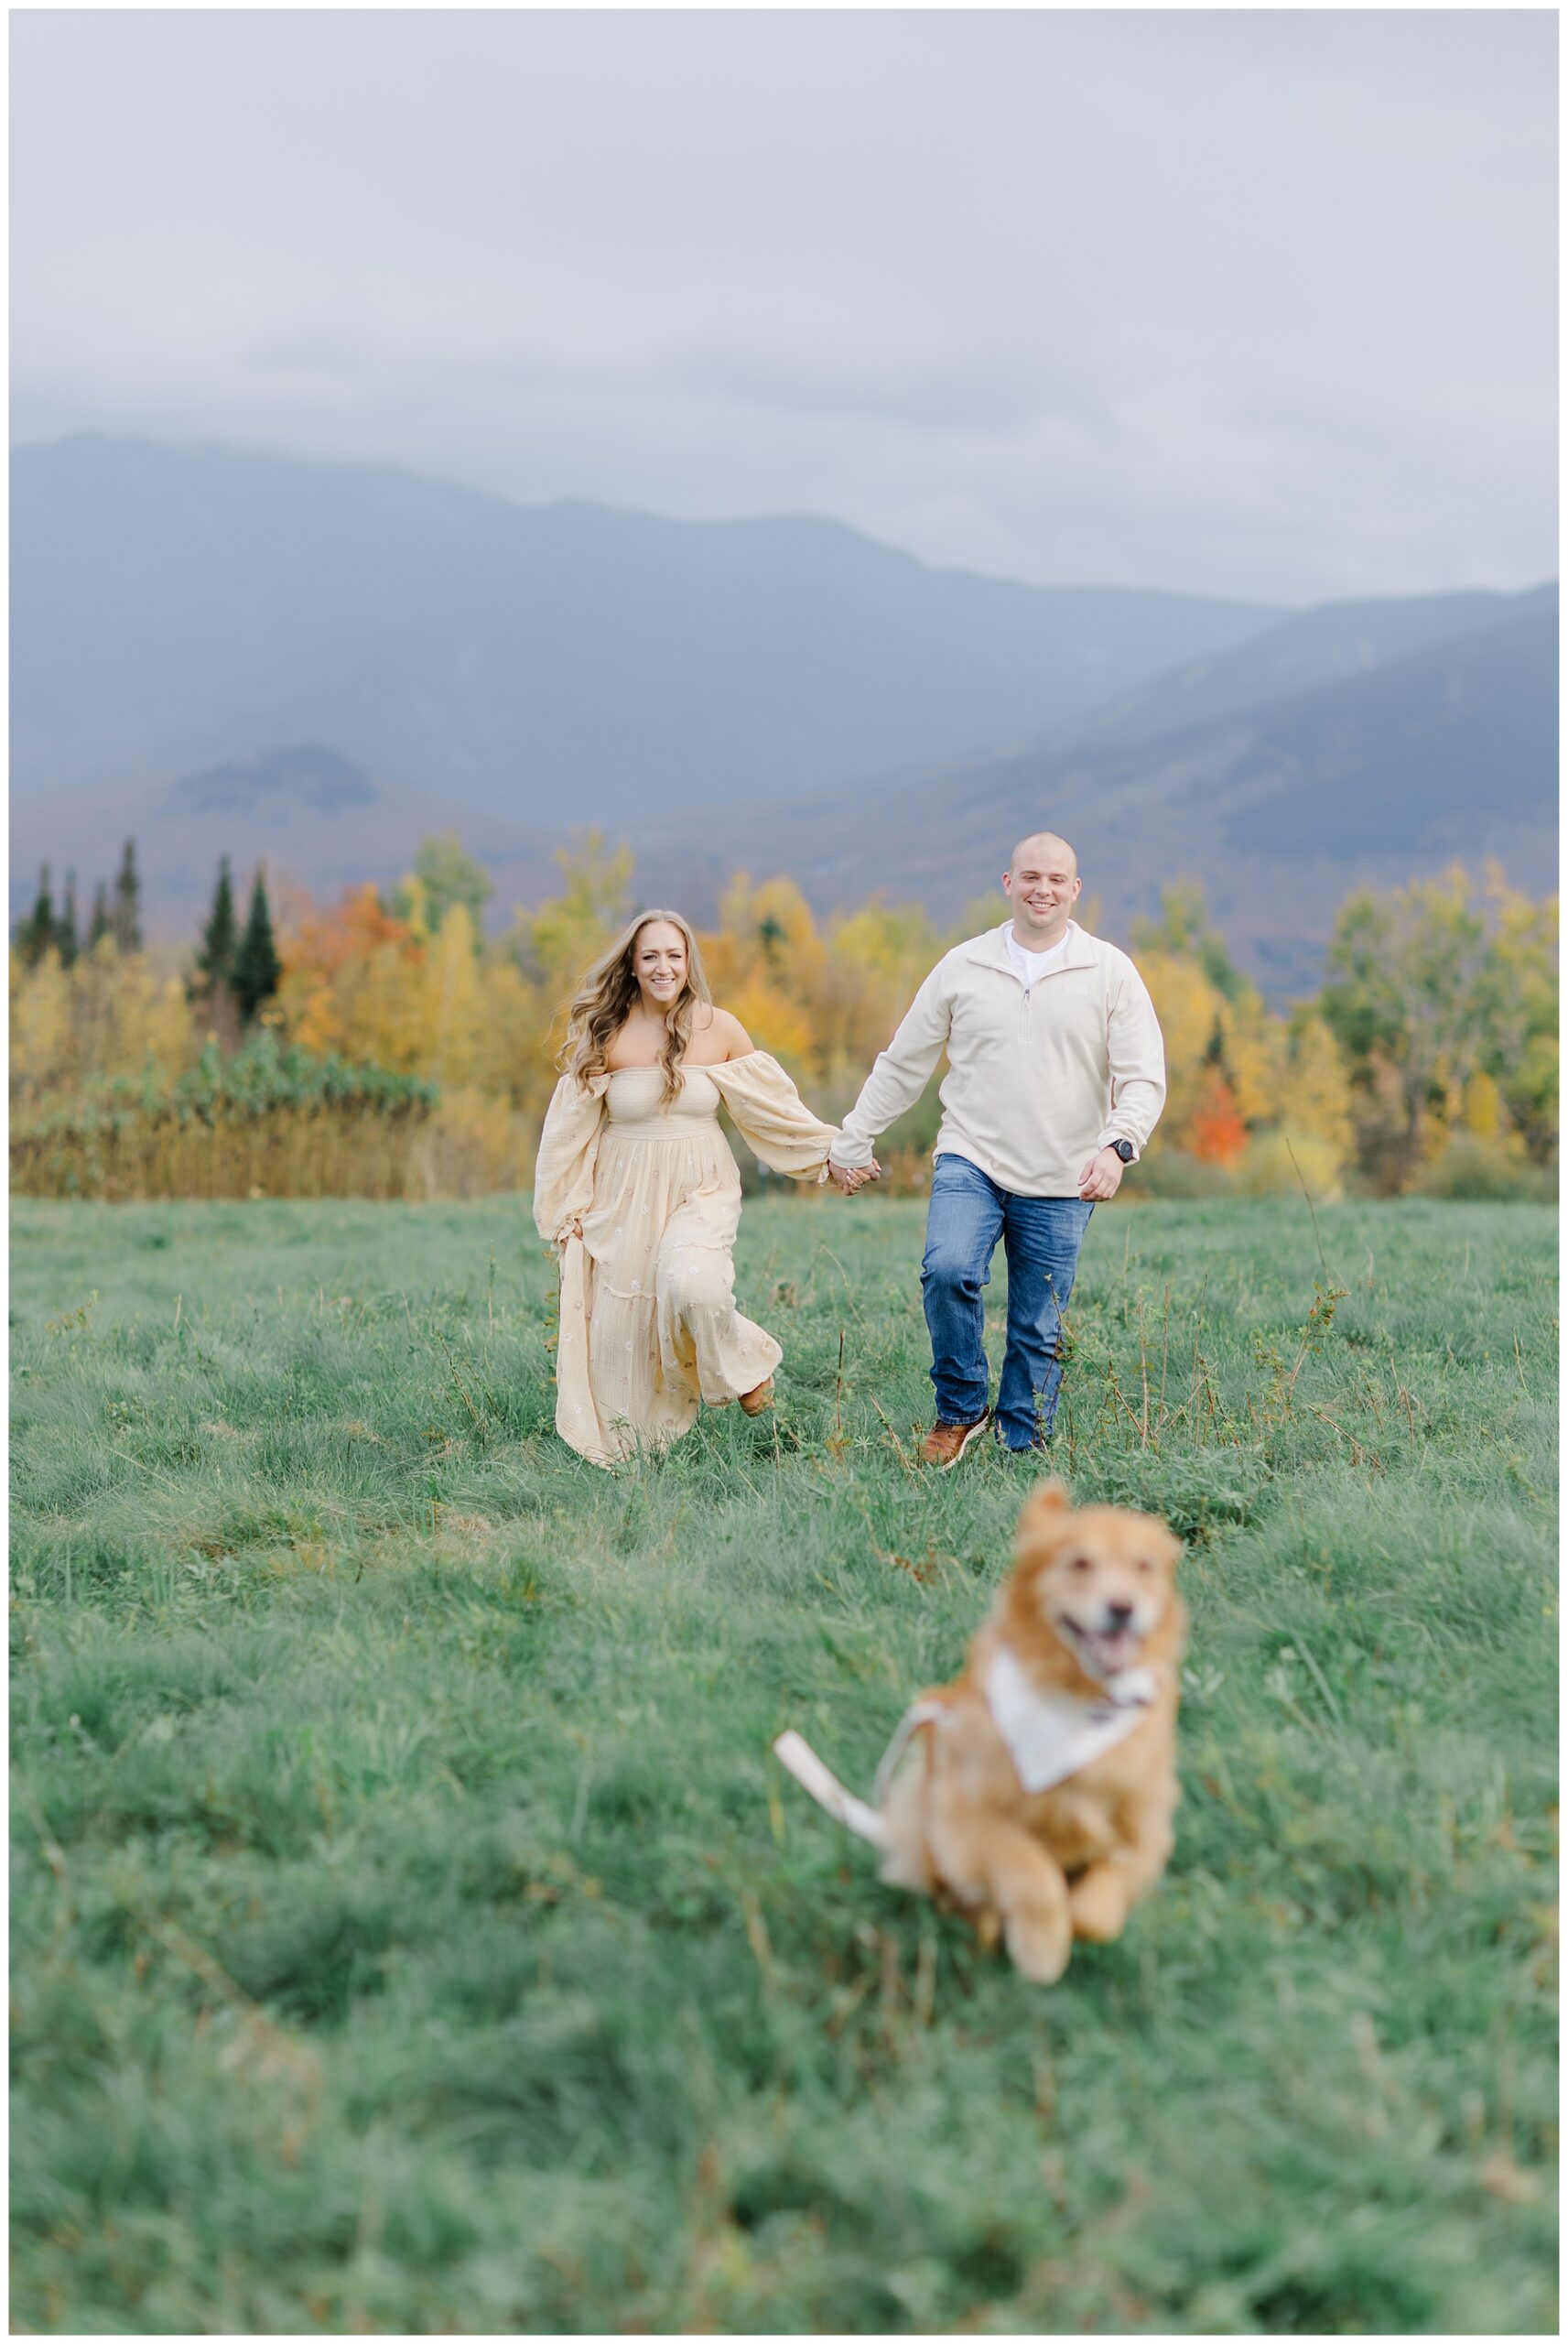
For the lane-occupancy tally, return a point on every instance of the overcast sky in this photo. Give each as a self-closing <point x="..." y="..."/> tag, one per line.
<point x="1242" y="303"/>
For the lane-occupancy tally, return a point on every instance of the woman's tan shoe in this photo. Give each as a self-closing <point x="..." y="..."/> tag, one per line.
<point x="753" y="1402"/>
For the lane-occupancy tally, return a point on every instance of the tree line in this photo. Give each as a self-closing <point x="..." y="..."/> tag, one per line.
<point x="1427" y="1059"/>
<point x="116" y="916"/>
<point x="235" y="971"/>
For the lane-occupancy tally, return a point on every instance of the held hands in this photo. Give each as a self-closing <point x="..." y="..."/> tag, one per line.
<point x="848" y="1177"/>
<point x="1100" y="1178"/>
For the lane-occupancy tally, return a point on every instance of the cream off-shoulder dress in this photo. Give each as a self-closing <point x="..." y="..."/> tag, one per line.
<point x="649" y="1325"/>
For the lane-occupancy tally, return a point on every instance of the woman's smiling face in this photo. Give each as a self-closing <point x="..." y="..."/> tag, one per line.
<point x="659" y="958"/>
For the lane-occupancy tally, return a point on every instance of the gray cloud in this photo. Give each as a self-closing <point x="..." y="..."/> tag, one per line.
<point x="1247" y="302"/>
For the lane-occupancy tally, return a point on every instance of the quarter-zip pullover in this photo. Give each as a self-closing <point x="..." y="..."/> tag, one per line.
<point x="1039" y="1077"/>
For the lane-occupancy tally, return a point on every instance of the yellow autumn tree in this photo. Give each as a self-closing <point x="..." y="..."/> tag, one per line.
<point x="555" y="943"/>
<point x="766" y="963"/>
<point x="453" y="1001"/>
<point x="109" y="1014"/>
<point x="1188" y="1007"/>
<point x="42" y="1037"/>
<point x="1309" y="1137"/>
<point x="1314" y="1093"/>
<point x="1484" y="1114"/>
<point x="1252" y="1053"/>
<point x="878" y="957"/>
<point x="512" y="1056"/>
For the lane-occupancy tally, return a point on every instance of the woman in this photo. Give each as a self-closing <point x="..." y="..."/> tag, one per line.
<point x="636" y="1185"/>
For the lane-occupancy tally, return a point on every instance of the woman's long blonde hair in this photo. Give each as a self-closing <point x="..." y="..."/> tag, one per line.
<point x="609" y="994"/>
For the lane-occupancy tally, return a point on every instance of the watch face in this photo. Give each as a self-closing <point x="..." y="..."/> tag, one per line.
<point x="1124" y="1149"/>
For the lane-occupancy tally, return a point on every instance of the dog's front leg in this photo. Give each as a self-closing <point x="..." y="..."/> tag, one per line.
<point x="1102" y="1897"/>
<point x="988" y="1862"/>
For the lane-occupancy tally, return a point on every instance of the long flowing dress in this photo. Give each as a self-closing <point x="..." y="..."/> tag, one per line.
<point x="648" y="1324"/>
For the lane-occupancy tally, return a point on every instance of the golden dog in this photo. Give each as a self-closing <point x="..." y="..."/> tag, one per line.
<point x="1037" y="1790"/>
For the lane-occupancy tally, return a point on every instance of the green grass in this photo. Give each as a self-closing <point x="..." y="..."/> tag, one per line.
<point x="411" y="1931"/>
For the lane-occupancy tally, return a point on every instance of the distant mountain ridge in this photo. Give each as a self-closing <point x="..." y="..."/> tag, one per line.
<point x="1280" y="806"/>
<point x="174" y="609"/>
<point x="321" y="780"/>
<point x="1281" y="763"/>
<point x="1332" y="642"/>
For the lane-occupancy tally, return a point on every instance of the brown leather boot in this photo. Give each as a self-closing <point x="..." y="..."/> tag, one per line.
<point x="944" y="1444"/>
<point x="761" y="1397"/>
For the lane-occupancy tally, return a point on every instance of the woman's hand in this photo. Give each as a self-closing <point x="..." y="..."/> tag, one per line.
<point x="572" y="1229"/>
<point x="848" y="1177"/>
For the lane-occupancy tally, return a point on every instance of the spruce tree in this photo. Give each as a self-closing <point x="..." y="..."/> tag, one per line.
<point x="127" y="913"/>
<point x="65" y="936"/>
<point x="36" y="933"/>
<point x="256" y="965"/>
<point x="220" y="940"/>
<point x="101" y="924"/>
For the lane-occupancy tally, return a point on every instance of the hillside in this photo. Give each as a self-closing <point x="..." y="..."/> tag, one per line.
<point x="1332" y="643"/>
<point x="318" y="665"/>
<point x="177" y="609"/>
<point x="318" y="822"/>
<point x="1279" y="809"/>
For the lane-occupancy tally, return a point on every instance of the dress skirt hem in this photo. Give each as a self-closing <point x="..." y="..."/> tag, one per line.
<point x="649" y="1329"/>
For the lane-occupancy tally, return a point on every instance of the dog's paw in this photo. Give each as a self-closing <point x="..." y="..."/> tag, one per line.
<point x="1099" y="1905"/>
<point x="1040" y="1944"/>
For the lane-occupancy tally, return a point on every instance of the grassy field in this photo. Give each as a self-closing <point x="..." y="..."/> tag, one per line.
<point x="410" y="1930"/>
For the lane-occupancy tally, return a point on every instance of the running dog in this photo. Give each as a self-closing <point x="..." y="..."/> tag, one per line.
<point x="1037" y="1790"/>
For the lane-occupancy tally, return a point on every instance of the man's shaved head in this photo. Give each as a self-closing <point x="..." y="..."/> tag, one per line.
<point x="1042" y="883"/>
<point x="1042" y="848"/>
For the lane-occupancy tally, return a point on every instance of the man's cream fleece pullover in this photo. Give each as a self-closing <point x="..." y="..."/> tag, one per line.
<point x="1039" y="1077"/>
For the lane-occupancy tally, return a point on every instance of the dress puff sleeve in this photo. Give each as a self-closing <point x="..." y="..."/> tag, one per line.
<point x="568" y="1145"/>
<point x="772" y="1117"/>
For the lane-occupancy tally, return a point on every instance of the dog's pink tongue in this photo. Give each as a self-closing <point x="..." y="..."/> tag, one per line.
<point x="1114" y="1652"/>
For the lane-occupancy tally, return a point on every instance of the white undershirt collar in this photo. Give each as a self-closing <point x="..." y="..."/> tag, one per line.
<point x="1033" y="966"/>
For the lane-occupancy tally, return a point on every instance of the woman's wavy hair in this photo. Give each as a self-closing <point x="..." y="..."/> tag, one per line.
<point x="608" y="994"/>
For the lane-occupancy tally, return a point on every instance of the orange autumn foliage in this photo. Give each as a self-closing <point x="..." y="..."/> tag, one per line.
<point x="1216" y="1133"/>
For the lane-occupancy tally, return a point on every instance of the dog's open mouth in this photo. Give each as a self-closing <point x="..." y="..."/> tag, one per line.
<point x="1105" y="1652"/>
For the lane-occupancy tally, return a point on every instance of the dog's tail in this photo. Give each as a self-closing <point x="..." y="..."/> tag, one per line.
<point x="829" y="1792"/>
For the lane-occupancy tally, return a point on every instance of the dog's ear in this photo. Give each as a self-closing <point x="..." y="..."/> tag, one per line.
<point x="1045" y="1511"/>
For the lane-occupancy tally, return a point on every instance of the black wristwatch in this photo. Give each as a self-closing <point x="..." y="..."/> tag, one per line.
<point x="1124" y="1148"/>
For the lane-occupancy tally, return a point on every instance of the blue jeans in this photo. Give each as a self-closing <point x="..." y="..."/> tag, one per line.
<point x="1042" y="1234"/>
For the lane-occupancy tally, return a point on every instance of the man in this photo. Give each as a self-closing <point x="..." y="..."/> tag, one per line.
<point x="1055" y="1079"/>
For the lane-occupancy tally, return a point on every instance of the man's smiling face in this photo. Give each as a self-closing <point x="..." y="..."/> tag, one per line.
<point x="1043" y="885"/>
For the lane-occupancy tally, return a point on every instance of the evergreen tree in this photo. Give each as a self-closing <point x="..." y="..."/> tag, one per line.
<point x="127" y="913"/>
<point x="220" y="940"/>
<point x="65" y="937"/>
<point x="103" y="925"/>
<point x="36" y="933"/>
<point x="256" y="965"/>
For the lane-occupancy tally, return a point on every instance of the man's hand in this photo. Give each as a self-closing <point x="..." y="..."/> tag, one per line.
<point x="848" y="1177"/>
<point x="1100" y="1178"/>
